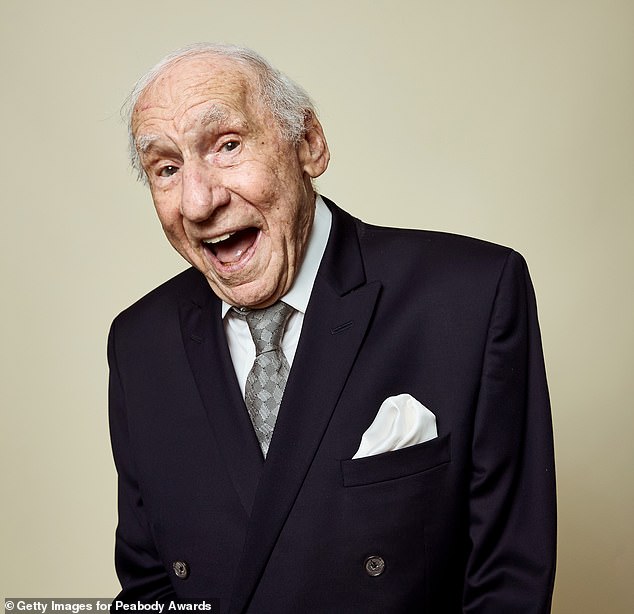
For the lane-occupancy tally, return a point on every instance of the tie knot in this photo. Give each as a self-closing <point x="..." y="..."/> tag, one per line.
<point x="267" y="326"/>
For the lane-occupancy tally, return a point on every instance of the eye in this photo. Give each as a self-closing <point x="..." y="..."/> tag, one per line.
<point x="167" y="171"/>
<point x="230" y="145"/>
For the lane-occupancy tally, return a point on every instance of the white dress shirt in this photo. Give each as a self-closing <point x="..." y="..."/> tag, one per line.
<point x="239" y="337"/>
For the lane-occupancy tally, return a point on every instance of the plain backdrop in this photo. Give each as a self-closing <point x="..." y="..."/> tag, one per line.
<point x="511" y="121"/>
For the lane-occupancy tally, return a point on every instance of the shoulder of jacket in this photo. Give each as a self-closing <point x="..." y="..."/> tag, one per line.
<point x="165" y="297"/>
<point x="431" y="246"/>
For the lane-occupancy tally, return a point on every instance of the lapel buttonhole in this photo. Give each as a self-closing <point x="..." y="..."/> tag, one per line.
<point x="339" y="329"/>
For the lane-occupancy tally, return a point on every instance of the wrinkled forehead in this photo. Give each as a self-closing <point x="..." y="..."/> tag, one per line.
<point x="194" y="82"/>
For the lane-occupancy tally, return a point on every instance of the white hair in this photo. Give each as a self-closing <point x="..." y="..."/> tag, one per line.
<point x="288" y="102"/>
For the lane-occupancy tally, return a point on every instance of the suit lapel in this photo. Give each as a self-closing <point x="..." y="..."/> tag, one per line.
<point x="210" y="362"/>
<point x="335" y="324"/>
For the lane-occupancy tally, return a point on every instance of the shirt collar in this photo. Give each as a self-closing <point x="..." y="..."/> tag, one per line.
<point x="299" y="294"/>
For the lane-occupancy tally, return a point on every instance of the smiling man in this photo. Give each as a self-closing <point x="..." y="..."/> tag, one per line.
<point x="319" y="415"/>
<point x="233" y="192"/>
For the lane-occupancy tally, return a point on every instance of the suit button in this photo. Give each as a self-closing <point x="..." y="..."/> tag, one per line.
<point x="181" y="569"/>
<point x="374" y="565"/>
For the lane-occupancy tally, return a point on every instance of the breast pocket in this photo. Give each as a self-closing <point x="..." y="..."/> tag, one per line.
<point x="397" y="463"/>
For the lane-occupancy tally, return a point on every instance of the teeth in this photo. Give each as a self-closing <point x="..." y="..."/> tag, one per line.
<point x="218" y="239"/>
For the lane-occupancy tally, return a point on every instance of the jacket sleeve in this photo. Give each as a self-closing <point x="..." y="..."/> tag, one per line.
<point x="512" y="489"/>
<point x="140" y="570"/>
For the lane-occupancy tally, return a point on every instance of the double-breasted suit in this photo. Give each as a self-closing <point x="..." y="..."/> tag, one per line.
<point x="464" y="522"/>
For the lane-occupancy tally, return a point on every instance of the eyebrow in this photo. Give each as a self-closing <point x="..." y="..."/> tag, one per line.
<point x="143" y="143"/>
<point x="213" y="114"/>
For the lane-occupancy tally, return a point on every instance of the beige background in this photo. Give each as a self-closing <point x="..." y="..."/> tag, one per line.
<point x="511" y="121"/>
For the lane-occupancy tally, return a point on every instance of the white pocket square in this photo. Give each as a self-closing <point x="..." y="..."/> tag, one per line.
<point x="402" y="421"/>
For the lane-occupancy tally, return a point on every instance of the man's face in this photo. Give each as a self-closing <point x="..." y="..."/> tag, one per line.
<point x="234" y="198"/>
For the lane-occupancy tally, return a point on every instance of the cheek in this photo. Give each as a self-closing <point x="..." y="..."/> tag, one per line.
<point x="255" y="182"/>
<point x="165" y="205"/>
<point x="166" y="216"/>
<point x="264" y="179"/>
<point x="171" y="220"/>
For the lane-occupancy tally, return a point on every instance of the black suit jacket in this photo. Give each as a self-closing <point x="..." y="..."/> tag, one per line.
<point x="464" y="523"/>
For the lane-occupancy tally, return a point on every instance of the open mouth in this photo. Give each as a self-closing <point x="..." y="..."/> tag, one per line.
<point x="229" y="248"/>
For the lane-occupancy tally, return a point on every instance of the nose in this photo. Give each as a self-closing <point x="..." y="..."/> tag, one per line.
<point x="203" y="191"/>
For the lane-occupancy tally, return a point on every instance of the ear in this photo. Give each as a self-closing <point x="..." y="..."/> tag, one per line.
<point x="313" y="150"/>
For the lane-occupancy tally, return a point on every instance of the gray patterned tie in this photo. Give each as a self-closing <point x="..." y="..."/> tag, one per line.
<point x="267" y="379"/>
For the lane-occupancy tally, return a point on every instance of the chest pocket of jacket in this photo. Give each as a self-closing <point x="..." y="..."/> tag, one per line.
<point x="397" y="463"/>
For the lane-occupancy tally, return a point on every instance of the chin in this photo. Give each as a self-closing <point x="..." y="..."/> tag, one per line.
<point x="246" y="297"/>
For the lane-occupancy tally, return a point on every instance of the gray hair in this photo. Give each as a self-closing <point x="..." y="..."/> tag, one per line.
<point x="288" y="102"/>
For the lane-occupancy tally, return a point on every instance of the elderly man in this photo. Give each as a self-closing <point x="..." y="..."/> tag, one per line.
<point x="319" y="415"/>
